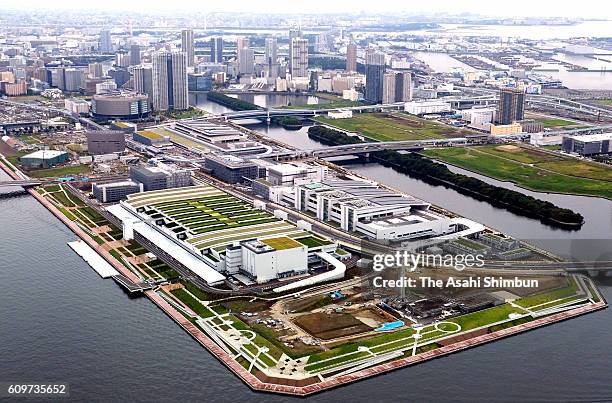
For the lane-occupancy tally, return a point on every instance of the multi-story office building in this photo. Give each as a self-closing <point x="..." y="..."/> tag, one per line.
<point x="241" y="43"/>
<point x="135" y="58"/>
<point x="216" y="49"/>
<point x="403" y="87"/>
<point x="120" y="75"/>
<point x="105" y="142"/>
<point x="271" y="57"/>
<point x="106" y="44"/>
<point x="293" y="34"/>
<point x="375" y="71"/>
<point x="199" y="82"/>
<point x="105" y="87"/>
<point x="114" y="192"/>
<point x="95" y="70"/>
<point x="299" y="57"/>
<point x="187" y="46"/>
<point x="231" y="169"/>
<point x="170" y="81"/>
<point x="351" y="57"/>
<point x="246" y="59"/>
<point x="72" y="79"/>
<point x="122" y="60"/>
<point x="142" y="79"/>
<point x="388" y="88"/>
<point x="511" y="105"/>
<point x="271" y="53"/>
<point x="161" y="176"/>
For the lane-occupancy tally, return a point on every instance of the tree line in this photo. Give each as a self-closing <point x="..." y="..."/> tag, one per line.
<point x="434" y="173"/>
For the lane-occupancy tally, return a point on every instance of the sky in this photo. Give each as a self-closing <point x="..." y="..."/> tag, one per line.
<point x="539" y="8"/>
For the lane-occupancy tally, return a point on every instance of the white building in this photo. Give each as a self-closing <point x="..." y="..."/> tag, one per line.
<point x="351" y="95"/>
<point x="294" y="174"/>
<point x="478" y="116"/>
<point x="77" y="105"/>
<point x="427" y="107"/>
<point x="362" y="206"/>
<point x="341" y="114"/>
<point x="273" y="258"/>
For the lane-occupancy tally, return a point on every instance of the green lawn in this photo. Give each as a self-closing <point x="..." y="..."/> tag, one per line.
<point x="561" y="293"/>
<point x="60" y="171"/>
<point x="556" y="122"/>
<point x="605" y="102"/>
<point x="393" y="127"/>
<point x="485" y="317"/>
<point x="531" y="169"/>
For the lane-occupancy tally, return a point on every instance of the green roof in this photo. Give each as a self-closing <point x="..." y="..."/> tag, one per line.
<point x="282" y="243"/>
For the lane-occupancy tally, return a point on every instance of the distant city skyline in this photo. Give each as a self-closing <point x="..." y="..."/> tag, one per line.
<point x="518" y="8"/>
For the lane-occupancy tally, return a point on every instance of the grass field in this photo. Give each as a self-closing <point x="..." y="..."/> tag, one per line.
<point x="531" y="169"/>
<point x="605" y="102"/>
<point x="554" y="122"/>
<point x="393" y="127"/>
<point x="60" y="171"/>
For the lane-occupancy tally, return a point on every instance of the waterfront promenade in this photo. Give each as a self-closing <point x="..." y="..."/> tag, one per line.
<point x="301" y="390"/>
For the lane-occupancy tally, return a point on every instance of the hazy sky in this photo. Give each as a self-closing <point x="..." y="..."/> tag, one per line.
<point x="562" y="8"/>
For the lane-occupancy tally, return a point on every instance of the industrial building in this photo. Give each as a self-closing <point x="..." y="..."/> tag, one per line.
<point x="44" y="159"/>
<point x="213" y="235"/>
<point x="105" y="141"/>
<point x="161" y="176"/>
<point x="427" y="107"/>
<point x="588" y="145"/>
<point x="114" y="192"/>
<point x="150" y="138"/>
<point x="230" y="168"/>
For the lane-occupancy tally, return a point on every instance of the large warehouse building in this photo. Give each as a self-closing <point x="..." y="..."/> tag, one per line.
<point x="214" y="234"/>
<point x="44" y="159"/>
<point x="588" y="145"/>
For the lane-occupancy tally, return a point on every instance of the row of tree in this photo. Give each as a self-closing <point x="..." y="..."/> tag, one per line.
<point x="232" y="103"/>
<point x="429" y="171"/>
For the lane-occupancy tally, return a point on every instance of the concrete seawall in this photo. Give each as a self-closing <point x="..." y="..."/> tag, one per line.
<point x="258" y="385"/>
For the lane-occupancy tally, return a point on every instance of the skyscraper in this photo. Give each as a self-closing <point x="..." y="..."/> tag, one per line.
<point x="272" y="57"/>
<point x="293" y="34"/>
<point x="511" y="106"/>
<point x="271" y="50"/>
<point x="241" y="43"/>
<point x="246" y="61"/>
<point x="351" y="57"/>
<point x="106" y="44"/>
<point x="170" y="81"/>
<point x="388" y="88"/>
<point x="403" y="87"/>
<point x="134" y="55"/>
<point x="216" y="49"/>
<point x="187" y="46"/>
<point x="299" y="57"/>
<point x="143" y="81"/>
<point x="375" y="71"/>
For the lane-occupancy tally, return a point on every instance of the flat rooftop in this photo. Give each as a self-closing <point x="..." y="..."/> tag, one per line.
<point x="208" y="217"/>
